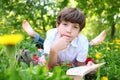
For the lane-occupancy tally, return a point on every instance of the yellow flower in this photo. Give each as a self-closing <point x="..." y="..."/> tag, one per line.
<point x="108" y="48"/>
<point x="111" y="43"/>
<point x="104" y="78"/>
<point x="117" y="40"/>
<point x="98" y="55"/>
<point x="118" y="43"/>
<point x="2" y="22"/>
<point x="117" y="47"/>
<point x="11" y="39"/>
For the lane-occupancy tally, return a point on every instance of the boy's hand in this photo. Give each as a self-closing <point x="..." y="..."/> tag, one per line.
<point x="90" y="63"/>
<point x="61" y="43"/>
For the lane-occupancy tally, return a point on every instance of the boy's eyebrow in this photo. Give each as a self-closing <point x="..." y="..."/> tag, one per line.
<point x="76" y="24"/>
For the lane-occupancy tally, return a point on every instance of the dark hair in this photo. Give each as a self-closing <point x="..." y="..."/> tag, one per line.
<point x="72" y="15"/>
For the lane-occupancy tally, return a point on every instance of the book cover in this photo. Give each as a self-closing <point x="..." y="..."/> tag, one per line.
<point x="81" y="71"/>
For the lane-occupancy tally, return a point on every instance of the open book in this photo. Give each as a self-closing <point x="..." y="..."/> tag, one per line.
<point x="79" y="72"/>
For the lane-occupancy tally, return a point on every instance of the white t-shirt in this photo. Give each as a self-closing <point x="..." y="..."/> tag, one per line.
<point x="76" y="50"/>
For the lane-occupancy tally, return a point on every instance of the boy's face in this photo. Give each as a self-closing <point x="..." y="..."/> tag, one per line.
<point x="68" y="30"/>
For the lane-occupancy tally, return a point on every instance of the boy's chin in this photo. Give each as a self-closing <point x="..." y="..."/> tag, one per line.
<point x="71" y="40"/>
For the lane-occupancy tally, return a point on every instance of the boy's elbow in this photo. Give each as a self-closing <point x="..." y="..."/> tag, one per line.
<point x="51" y="65"/>
<point x="80" y="63"/>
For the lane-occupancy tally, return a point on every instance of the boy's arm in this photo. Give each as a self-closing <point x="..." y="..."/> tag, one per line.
<point x="55" y="48"/>
<point x="84" y="63"/>
<point x="83" y="51"/>
<point x="80" y="63"/>
<point x="52" y="61"/>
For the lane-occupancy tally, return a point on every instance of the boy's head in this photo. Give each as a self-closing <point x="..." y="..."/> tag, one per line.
<point x="72" y="15"/>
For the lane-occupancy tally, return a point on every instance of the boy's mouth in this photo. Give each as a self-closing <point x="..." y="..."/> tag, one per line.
<point x="67" y="36"/>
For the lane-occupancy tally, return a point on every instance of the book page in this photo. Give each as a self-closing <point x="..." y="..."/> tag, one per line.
<point x="82" y="70"/>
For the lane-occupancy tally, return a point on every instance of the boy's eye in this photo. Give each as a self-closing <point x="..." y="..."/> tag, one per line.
<point x="64" y="23"/>
<point x="76" y="27"/>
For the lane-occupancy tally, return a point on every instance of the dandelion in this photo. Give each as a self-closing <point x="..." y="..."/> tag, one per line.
<point x="117" y="40"/>
<point x="111" y="43"/>
<point x="118" y="43"/>
<point x="108" y="49"/>
<point x="104" y="78"/>
<point x="2" y="22"/>
<point x="11" y="39"/>
<point x="117" y="47"/>
<point x="98" y="55"/>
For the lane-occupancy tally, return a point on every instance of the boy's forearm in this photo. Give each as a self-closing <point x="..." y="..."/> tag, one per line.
<point x="80" y="63"/>
<point x="53" y="57"/>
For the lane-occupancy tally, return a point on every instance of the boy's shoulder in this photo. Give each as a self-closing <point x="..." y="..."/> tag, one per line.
<point x="82" y="37"/>
<point x="80" y="40"/>
<point x="53" y="30"/>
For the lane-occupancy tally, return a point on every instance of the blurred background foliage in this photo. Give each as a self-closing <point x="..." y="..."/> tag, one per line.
<point x="41" y="14"/>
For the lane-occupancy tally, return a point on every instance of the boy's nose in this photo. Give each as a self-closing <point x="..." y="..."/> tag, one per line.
<point x="69" y="29"/>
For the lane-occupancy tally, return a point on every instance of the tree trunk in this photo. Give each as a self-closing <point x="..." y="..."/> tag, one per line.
<point x="113" y="30"/>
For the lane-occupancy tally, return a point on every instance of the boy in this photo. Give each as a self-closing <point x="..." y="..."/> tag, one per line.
<point x="66" y="43"/>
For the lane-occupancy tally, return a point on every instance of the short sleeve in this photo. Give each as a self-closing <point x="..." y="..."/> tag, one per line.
<point x="50" y="36"/>
<point x="83" y="50"/>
